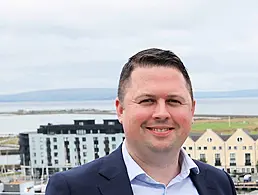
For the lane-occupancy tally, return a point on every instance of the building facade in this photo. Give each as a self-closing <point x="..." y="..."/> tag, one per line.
<point x="60" y="147"/>
<point x="236" y="153"/>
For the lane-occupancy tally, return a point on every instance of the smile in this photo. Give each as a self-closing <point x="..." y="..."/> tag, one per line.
<point x="159" y="129"/>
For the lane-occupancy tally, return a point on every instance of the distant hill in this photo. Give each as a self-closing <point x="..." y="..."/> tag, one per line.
<point x="83" y="94"/>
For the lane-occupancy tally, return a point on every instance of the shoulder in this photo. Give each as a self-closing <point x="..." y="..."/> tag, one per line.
<point x="211" y="170"/>
<point x="83" y="177"/>
<point x="215" y="176"/>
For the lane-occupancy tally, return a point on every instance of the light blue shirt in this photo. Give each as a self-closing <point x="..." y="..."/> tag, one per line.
<point x="142" y="184"/>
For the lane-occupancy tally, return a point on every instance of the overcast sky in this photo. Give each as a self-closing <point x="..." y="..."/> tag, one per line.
<point x="73" y="44"/>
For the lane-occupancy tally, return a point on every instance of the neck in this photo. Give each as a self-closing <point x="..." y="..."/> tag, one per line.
<point x="162" y="167"/>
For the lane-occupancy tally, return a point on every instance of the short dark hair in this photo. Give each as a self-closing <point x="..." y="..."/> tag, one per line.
<point x="152" y="57"/>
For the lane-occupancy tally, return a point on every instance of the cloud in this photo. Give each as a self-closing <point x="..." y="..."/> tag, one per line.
<point x="46" y="44"/>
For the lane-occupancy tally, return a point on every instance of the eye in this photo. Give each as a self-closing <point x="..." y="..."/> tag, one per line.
<point x="147" y="101"/>
<point x="174" y="102"/>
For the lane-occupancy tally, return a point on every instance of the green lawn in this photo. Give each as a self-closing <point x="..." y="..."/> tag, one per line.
<point x="219" y="125"/>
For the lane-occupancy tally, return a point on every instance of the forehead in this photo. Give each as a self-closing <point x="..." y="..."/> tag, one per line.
<point x="157" y="74"/>
<point x="157" y="80"/>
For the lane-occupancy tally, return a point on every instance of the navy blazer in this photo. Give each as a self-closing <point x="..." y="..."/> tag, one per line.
<point x="108" y="176"/>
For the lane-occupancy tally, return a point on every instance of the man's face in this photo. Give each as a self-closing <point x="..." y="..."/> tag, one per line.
<point x="157" y="110"/>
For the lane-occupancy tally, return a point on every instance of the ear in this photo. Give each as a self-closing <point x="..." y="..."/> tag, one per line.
<point x="119" y="110"/>
<point x="193" y="107"/>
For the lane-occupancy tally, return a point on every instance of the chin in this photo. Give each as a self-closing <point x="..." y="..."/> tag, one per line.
<point x="161" y="148"/>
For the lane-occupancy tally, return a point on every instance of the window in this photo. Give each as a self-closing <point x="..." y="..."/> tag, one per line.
<point x="55" y="147"/>
<point x="217" y="156"/>
<point x="244" y="147"/>
<point x="54" y="139"/>
<point x="190" y="148"/>
<point x="235" y="147"/>
<point x="81" y="123"/>
<point x="55" y="154"/>
<point x="217" y="160"/>
<point x="41" y="147"/>
<point x="113" y="146"/>
<point x="84" y="139"/>
<point x="205" y="147"/>
<point x="247" y="159"/>
<point x="111" y="123"/>
<point x="232" y="159"/>
<point x="214" y="147"/>
<point x="84" y="146"/>
<point x="199" y="148"/>
<point x="209" y="139"/>
<point x="202" y="157"/>
<point x="34" y="154"/>
<point x="84" y="154"/>
<point x="42" y="162"/>
<point x="239" y="139"/>
<point x="250" y="147"/>
<point x="184" y="148"/>
<point x="81" y="132"/>
<point x="229" y="147"/>
<point x="35" y="161"/>
<point x="113" y="139"/>
<point x="56" y="162"/>
<point x="220" y="147"/>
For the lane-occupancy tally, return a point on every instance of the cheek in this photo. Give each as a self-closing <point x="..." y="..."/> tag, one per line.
<point x="139" y="115"/>
<point x="183" y="118"/>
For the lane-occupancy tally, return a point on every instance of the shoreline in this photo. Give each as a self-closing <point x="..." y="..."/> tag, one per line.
<point x="113" y="112"/>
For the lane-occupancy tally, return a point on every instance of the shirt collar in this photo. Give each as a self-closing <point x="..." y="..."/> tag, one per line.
<point x="134" y="169"/>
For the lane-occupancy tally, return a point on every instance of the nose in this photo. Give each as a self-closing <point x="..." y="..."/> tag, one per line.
<point x="161" y="111"/>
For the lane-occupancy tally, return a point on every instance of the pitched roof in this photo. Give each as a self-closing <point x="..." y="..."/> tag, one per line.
<point x="195" y="136"/>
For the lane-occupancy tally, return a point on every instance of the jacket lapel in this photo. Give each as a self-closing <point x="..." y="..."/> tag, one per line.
<point x="201" y="182"/>
<point x="115" y="180"/>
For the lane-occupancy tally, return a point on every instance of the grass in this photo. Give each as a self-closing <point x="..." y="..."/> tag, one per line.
<point x="14" y="140"/>
<point x="223" y="125"/>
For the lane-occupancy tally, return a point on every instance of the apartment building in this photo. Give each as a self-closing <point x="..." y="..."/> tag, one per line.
<point x="60" y="147"/>
<point x="236" y="153"/>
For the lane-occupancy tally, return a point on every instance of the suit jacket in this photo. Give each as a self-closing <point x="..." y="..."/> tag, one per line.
<point x="108" y="176"/>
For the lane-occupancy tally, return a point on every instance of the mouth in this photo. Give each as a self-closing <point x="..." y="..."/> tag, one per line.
<point x="160" y="129"/>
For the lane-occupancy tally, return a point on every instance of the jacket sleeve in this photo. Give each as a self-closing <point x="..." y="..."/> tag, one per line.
<point x="57" y="185"/>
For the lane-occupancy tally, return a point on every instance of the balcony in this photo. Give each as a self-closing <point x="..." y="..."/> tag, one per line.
<point x="217" y="163"/>
<point x="247" y="163"/>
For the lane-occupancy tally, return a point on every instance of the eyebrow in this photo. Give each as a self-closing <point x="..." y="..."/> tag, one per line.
<point x="153" y="96"/>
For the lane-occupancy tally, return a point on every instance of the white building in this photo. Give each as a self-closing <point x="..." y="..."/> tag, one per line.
<point x="60" y="147"/>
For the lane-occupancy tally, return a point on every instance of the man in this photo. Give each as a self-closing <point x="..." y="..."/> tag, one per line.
<point x="156" y="106"/>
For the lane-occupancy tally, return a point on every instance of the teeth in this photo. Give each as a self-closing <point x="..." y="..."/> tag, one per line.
<point x="161" y="130"/>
